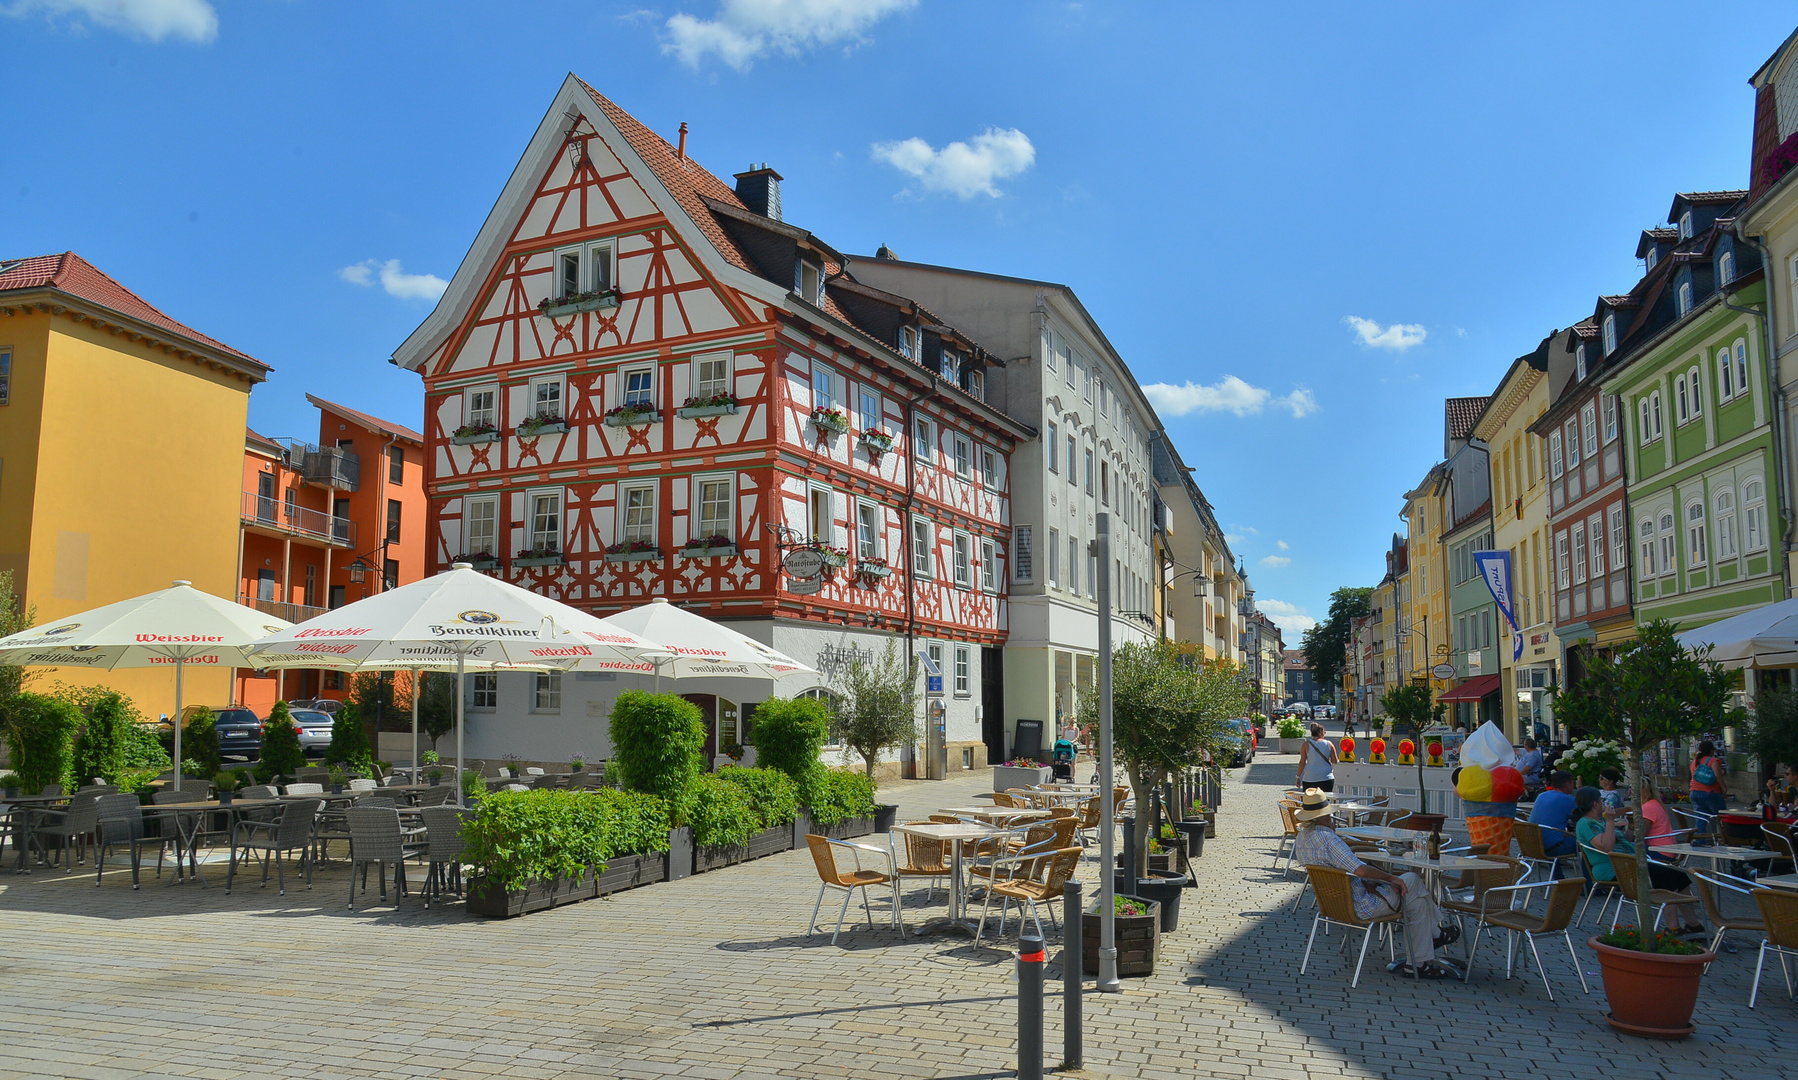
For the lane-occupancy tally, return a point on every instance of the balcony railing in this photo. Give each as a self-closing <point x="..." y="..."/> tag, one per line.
<point x="291" y="612"/>
<point x="332" y="467"/>
<point x="273" y="513"/>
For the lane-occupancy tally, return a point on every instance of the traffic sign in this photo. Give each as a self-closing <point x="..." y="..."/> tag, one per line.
<point x="1443" y="671"/>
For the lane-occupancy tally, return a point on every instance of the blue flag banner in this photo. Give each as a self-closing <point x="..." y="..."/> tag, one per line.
<point x="1495" y="567"/>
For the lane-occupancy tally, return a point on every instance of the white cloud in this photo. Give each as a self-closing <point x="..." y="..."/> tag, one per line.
<point x="746" y="30"/>
<point x="1229" y="394"/>
<point x="1284" y="546"/>
<point x="396" y="281"/>
<point x="1398" y="336"/>
<point x="192" y="20"/>
<point x="1288" y="617"/>
<point x="962" y="169"/>
<point x="1275" y="562"/>
<point x="1234" y="538"/>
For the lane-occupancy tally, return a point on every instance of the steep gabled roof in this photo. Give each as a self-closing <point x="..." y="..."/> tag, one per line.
<point x="372" y="423"/>
<point x="1462" y="413"/>
<point x="74" y="276"/>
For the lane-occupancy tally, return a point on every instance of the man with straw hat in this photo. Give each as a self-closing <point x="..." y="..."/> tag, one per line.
<point x="1375" y="891"/>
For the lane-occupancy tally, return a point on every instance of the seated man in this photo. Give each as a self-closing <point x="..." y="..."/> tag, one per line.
<point x="1529" y="763"/>
<point x="1375" y="891"/>
<point x="1553" y="811"/>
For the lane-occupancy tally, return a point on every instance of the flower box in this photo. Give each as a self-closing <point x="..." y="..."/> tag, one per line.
<point x="479" y="562"/>
<point x="830" y="421"/>
<point x="709" y="551"/>
<point x="694" y="412"/>
<point x="872" y="570"/>
<point x="527" y="430"/>
<point x="538" y="560"/>
<point x="573" y="305"/>
<point x="847" y="829"/>
<point x="652" y="555"/>
<point x="487" y="898"/>
<point x="833" y="558"/>
<point x="1007" y="777"/>
<point x="629" y="419"/>
<point x="474" y="439"/>
<point x="876" y="443"/>
<point x="767" y="842"/>
<point x="1138" y="939"/>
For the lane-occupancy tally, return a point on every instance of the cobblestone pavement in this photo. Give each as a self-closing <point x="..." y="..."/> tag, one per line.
<point x="715" y="977"/>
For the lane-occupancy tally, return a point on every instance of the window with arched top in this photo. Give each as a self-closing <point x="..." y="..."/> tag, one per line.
<point x="1696" y="548"/>
<point x="1645" y="530"/>
<point x="1664" y="533"/>
<point x="1696" y="385"/>
<point x="1726" y="267"/>
<point x="1610" y="334"/>
<point x="1726" y="524"/>
<point x="1684" y="298"/>
<point x="1754" y="515"/>
<point x="1741" y="366"/>
<point x="1726" y="376"/>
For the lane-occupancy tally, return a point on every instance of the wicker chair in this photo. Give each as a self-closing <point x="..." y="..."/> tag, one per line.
<point x="305" y="789"/>
<point x="832" y="876"/>
<point x="443" y="849"/>
<point x="119" y="819"/>
<point x="1779" y="842"/>
<point x="1563" y="897"/>
<point x="923" y="858"/>
<point x="292" y="831"/>
<point x="437" y="796"/>
<point x="1703" y="826"/>
<point x="1534" y="848"/>
<point x="1336" y="907"/>
<point x="1039" y="880"/>
<point x="1289" y="835"/>
<point x="361" y="785"/>
<point x="1706" y="884"/>
<point x="1659" y="899"/>
<point x="375" y="839"/>
<point x="1009" y="801"/>
<point x="1610" y="888"/>
<point x="72" y="826"/>
<point x="1779" y="911"/>
<point x="1090" y="818"/>
<point x="1468" y="897"/>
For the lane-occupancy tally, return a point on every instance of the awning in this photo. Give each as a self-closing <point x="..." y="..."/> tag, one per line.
<point x="1764" y="637"/>
<point x="1473" y="689"/>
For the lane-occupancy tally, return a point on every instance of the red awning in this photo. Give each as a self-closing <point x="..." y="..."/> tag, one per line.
<point x="1473" y="689"/>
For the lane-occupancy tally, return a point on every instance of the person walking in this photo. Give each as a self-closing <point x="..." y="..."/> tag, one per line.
<point x="1707" y="780"/>
<point x="1317" y="762"/>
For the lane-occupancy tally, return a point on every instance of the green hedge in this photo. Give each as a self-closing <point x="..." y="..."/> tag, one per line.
<point x="789" y="733"/>
<point x="723" y="814"/>
<point x="200" y="742"/>
<point x="657" y="744"/>
<point x="519" y="836"/>
<point x="838" y="795"/>
<point x="281" y="753"/>
<point x="773" y="794"/>
<point x="40" y="733"/>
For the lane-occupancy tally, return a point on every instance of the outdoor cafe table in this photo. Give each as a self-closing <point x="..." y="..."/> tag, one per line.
<point x="995" y="814"/>
<point x="18" y="810"/>
<point x="1788" y="882"/>
<point x="1716" y="853"/>
<point x="184" y="838"/>
<point x="955" y="836"/>
<point x="1428" y="868"/>
<point x="1380" y="833"/>
<point x="1355" y="809"/>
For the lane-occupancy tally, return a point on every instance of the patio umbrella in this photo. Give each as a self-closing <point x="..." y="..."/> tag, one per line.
<point x="458" y="619"/>
<point x="699" y="647"/>
<point x="1764" y="637"/>
<point x="177" y="626"/>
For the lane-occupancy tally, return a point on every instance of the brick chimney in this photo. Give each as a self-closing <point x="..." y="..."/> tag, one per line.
<point x="759" y="188"/>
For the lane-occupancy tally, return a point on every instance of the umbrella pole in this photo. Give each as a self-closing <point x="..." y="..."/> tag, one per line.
<point x="461" y="795"/>
<point x="415" y="725"/>
<point x="179" y="664"/>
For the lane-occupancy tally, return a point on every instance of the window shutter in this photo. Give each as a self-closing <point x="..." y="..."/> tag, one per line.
<point x="1023" y="559"/>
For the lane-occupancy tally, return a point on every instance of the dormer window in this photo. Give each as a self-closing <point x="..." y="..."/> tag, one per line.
<point x="908" y="342"/>
<point x="1683" y="298"/>
<point x="808" y="282"/>
<point x="1610" y="333"/>
<point x="951" y="366"/>
<point x="977" y="383"/>
<point x="1726" y="267"/>
<point x="1685" y="225"/>
<point x="1654" y="256"/>
<point x="1579" y="362"/>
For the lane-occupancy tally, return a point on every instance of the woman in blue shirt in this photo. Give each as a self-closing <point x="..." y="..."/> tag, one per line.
<point x="1597" y="832"/>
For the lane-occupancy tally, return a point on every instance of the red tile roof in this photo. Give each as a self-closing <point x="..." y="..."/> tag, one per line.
<point x="372" y="423"/>
<point x="70" y="273"/>
<point x="1462" y="413"/>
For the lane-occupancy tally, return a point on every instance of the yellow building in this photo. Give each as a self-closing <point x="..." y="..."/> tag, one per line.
<point x="121" y="455"/>
<point x="1423" y="592"/>
<point x="1520" y="526"/>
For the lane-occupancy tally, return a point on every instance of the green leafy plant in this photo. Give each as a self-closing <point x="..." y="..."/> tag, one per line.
<point x="430" y="757"/>
<point x="140" y="747"/>
<point x="200" y="740"/>
<point x="337" y="778"/>
<point x="1586" y="758"/>
<point x="517" y="837"/>
<point x="349" y="739"/>
<point x="789" y="735"/>
<point x="875" y="707"/>
<point x="723" y="814"/>
<point x="773" y="795"/>
<point x="474" y="785"/>
<point x="137" y="781"/>
<point x="1122" y="905"/>
<point x="15" y="616"/>
<point x="1326" y="644"/>
<point x="1291" y="727"/>
<point x="1665" y="942"/>
<point x="40" y="732"/>
<point x="657" y="744"/>
<point x="1771" y="731"/>
<point x="839" y="795"/>
<point x="225" y="781"/>
<point x="281" y="753"/>
<point x="577" y="762"/>
<point x="99" y="750"/>
<point x="12" y="781"/>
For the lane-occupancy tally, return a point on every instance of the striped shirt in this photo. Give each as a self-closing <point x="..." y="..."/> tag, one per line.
<point x="1322" y="847"/>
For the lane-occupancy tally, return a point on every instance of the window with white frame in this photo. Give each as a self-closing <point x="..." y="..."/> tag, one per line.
<point x="483" y="691"/>
<point x="1726" y="267"/>
<point x="1595" y="528"/>
<point x="1048" y="348"/>
<point x="1579" y="554"/>
<point x="964" y="559"/>
<point x="1092" y="576"/>
<point x="1685" y="225"/>
<point x="1726" y="524"/>
<point x="820" y="516"/>
<point x="1579" y="362"/>
<point x="949" y="365"/>
<point x="989" y="566"/>
<point x="1073" y="473"/>
<point x="964" y="455"/>
<point x="1654" y="412"/>
<point x="1090" y="379"/>
<point x="479" y="406"/>
<point x="989" y="467"/>
<point x="923" y="543"/>
<point x="823" y="391"/>
<point x="639" y="387"/>
<point x="1645" y="537"/>
<point x="711" y="375"/>
<point x="480" y="526"/>
<point x="1696" y="548"/>
<point x="713" y="495"/>
<point x="599" y="268"/>
<point x="637" y="514"/>
<point x="1619" y="540"/>
<point x="1024" y="553"/>
<point x="546" y="398"/>
<point x="808" y="282"/>
<point x="1741" y="366"/>
<point x="546" y="691"/>
<point x="1572" y="444"/>
<point x="1610" y="419"/>
<point x="934" y="650"/>
<point x="1665" y="534"/>
<point x="1588" y="417"/>
<point x="1052" y="446"/>
<point x="1726" y="376"/>
<point x="1562" y="580"/>
<point x="870" y="410"/>
<point x="1089" y="471"/>
<point x="1696" y="386"/>
<point x="1609" y="329"/>
<point x="923" y="440"/>
<point x="1683" y="301"/>
<point x="977" y="384"/>
<point x="908" y="342"/>
<point x="1075" y="560"/>
<point x="963" y="676"/>
<point x="867" y="530"/>
<point x="1054" y="557"/>
<point x="1555" y="468"/>
<point x="1104" y="399"/>
<point x="1071" y="360"/>
<point x="568" y="272"/>
<point x="1644" y="427"/>
<point x="1681" y="410"/>
<point x="1754" y="516"/>
<point x="546" y="521"/>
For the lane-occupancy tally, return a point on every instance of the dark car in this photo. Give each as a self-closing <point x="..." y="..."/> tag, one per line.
<point x="239" y="730"/>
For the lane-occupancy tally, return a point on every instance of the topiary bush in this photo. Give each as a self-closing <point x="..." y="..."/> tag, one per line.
<point x="281" y="753"/>
<point x="141" y="748"/>
<point x="517" y="837"/>
<point x="839" y="795"/>
<point x="723" y="813"/>
<point x="349" y="739"/>
<point x="100" y="748"/>
<point x="789" y="734"/>
<point x="40" y="731"/>
<point x="773" y="794"/>
<point x="200" y="741"/>
<point x="657" y="742"/>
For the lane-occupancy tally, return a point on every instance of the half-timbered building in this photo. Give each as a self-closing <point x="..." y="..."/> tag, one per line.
<point x="642" y="381"/>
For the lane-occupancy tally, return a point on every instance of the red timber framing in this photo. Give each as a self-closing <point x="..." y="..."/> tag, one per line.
<point x="603" y="201"/>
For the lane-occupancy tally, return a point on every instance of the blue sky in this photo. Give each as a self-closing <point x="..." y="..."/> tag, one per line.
<point x="1308" y="224"/>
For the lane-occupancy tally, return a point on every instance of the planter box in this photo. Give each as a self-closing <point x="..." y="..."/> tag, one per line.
<point x="724" y="552"/>
<point x="693" y="412"/>
<point x="556" y="428"/>
<point x="872" y="571"/>
<point x="640" y="418"/>
<point x="540" y="560"/>
<point x="680" y="853"/>
<point x="767" y="842"/>
<point x="487" y="562"/>
<point x="1138" y="940"/>
<point x="575" y="307"/>
<point x="490" y="900"/>
<point x="1006" y="777"/>
<point x="474" y="440"/>
<point x="876" y="447"/>
<point x="1290" y="746"/>
<point x="847" y="829"/>
<point x="635" y="556"/>
<point x="629" y="871"/>
<point x="828" y="427"/>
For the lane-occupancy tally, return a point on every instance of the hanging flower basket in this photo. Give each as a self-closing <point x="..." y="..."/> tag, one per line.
<point x="541" y="425"/>
<point x="473" y="434"/>
<point x="834" y="558"/>
<point x="876" y="443"/>
<point x="578" y="302"/>
<point x="711" y="405"/>
<point x="627" y="415"/>
<point x="830" y="421"/>
<point x="872" y="570"/>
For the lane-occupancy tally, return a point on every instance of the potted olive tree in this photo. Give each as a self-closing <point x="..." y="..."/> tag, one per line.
<point x="875" y="706"/>
<point x="1641" y="693"/>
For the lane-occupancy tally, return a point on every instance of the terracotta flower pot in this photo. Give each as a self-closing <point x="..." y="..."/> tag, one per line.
<point x="1651" y="994"/>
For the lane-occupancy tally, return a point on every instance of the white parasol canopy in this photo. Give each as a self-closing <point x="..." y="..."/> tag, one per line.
<point x="1764" y="637"/>
<point x="458" y="619"/>
<point x="175" y="627"/>
<point x="702" y="648"/>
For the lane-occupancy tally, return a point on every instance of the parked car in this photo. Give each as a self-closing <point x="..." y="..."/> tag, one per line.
<point x="1244" y="752"/>
<point x="315" y="730"/>
<point x="239" y="730"/>
<point x="328" y="706"/>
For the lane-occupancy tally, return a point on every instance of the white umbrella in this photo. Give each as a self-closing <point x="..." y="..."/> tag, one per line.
<point x="702" y="648"/>
<point x="175" y="627"/>
<point x="459" y="618"/>
<point x="1764" y="637"/>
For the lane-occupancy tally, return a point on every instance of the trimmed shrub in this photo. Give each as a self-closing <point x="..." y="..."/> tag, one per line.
<point x="723" y="814"/>
<point x="40" y="731"/>
<point x="520" y="836"/>
<point x="200" y="741"/>
<point x="349" y="740"/>
<point x="657" y="742"/>
<point x="100" y="748"/>
<point x="773" y="794"/>
<point x="839" y="795"/>
<point x="281" y="753"/>
<point x="789" y="734"/>
<point x="141" y="748"/>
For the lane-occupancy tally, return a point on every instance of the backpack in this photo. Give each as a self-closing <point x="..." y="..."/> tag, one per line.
<point x="1704" y="774"/>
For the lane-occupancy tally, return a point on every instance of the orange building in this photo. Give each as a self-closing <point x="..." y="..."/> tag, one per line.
<point x="325" y="524"/>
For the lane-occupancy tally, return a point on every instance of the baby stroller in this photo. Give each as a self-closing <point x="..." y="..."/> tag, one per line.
<point x="1063" y="760"/>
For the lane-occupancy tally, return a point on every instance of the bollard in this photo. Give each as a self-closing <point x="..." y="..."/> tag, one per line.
<point x="1030" y="1008"/>
<point x="1073" y="972"/>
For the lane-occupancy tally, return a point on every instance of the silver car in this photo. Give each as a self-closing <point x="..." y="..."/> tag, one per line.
<point x="315" y="730"/>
